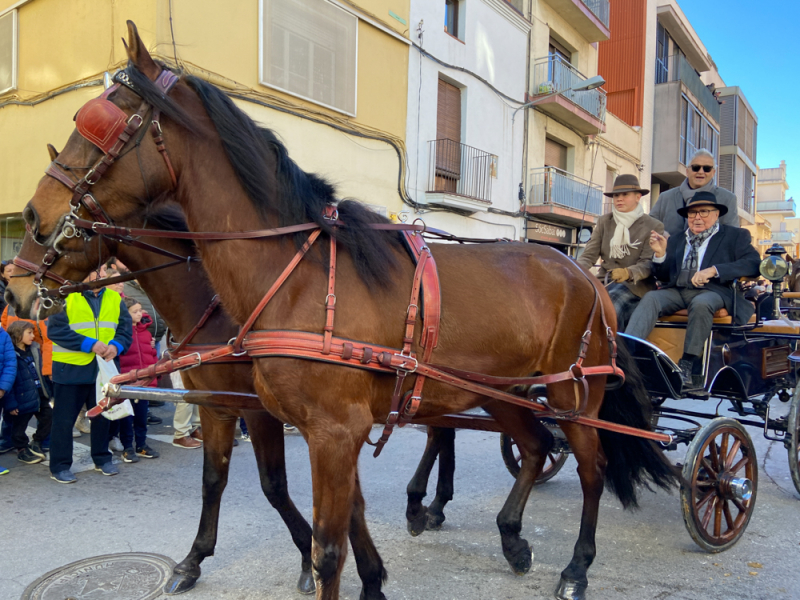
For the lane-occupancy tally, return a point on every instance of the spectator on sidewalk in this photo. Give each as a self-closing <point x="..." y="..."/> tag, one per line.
<point x="30" y="396"/>
<point x="46" y="346"/>
<point x="140" y="355"/>
<point x="95" y="325"/>
<point x="8" y="370"/>
<point x="186" y="421"/>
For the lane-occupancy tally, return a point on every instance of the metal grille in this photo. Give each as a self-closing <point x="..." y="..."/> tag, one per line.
<point x="775" y="361"/>
<point x="460" y="169"/>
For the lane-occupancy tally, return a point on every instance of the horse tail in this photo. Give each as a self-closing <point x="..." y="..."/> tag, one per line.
<point x="632" y="461"/>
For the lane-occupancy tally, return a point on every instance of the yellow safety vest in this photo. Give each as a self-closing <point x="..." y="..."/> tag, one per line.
<point x="82" y="320"/>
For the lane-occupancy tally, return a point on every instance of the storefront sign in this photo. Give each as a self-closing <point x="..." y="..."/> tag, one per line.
<point x="549" y="232"/>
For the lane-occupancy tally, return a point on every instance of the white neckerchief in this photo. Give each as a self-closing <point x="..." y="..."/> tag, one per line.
<point x="621" y="240"/>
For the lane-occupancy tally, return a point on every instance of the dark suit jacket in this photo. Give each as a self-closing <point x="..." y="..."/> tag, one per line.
<point x="730" y="251"/>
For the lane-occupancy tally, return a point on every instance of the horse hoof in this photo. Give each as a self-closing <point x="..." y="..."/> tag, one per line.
<point x="434" y="522"/>
<point x="417" y="525"/>
<point x="179" y="583"/>
<point x="521" y="562"/>
<point x="306" y="585"/>
<point x="363" y="596"/>
<point x="571" y="590"/>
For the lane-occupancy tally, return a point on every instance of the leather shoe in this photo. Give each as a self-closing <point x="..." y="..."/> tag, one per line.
<point x="186" y="442"/>
<point x="198" y="434"/>
<point x="153" y="420"/>
<point x="686" y="374"/>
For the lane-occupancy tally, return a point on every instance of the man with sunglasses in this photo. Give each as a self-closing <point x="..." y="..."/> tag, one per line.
<point x="700" y="178"/>
<point x="697" y="270"/>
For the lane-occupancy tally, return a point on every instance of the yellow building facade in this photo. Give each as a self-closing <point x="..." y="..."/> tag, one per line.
<point x="328" y="76"/>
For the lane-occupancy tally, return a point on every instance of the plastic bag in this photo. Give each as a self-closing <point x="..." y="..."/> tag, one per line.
<point x="119" y="411"/>
<point x="105" y="371"/>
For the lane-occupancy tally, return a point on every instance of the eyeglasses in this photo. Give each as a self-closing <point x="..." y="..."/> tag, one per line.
<point x="706" y="168"/>
<point x="703" y="212"/>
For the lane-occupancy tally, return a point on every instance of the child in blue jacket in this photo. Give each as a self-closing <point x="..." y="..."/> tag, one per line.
<point x="8" y="371"/>
<point x="30" y="395"/>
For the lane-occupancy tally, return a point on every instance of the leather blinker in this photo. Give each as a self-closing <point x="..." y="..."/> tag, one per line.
<point x="101" y="122"/>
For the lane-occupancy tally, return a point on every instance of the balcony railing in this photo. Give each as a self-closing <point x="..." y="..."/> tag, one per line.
<point x="455" y="168"/>
<point x="554" y="75"/>
<point x="788" y="206"/>
<point x="783" y="236"/>
<point x="599" y="9"/>
<point x="679" y="69"/>
<point x="553" y="186"/>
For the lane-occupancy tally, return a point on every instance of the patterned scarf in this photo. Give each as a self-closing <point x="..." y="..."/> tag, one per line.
<point x="695" y="240"/>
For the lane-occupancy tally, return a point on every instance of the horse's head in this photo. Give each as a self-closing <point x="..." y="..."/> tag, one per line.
<point x="111" y="168"/>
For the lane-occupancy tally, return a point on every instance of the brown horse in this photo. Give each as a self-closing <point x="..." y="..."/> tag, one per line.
<point x="509" y="310"/>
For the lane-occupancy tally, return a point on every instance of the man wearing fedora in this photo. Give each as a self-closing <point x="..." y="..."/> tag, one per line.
<point x="697" y="270"/>
<point x="620" y="241"/>
<point x="700" y="178"/>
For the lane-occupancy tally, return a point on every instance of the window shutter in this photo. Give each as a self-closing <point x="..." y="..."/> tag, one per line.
<point x="555" y="154"/>
<point x="8" y="52"/>
<point x="725" y="173"/>
<point x="728" y="122"/>
<point x="448" y="137"/>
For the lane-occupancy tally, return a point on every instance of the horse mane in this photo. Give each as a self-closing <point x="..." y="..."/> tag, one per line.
<point x="302" y="196"/>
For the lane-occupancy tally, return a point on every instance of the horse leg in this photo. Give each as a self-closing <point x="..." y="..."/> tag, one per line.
<point x="416" y="512"/>
<point x="368" y="561"/>
<point x="585" y="444"/>
<point x="444" y="485"/>
<point x="534" y="442"/>
<point x="218" y="432"/>
<point x="333" y="450"/>
<point x="266" y="434"/>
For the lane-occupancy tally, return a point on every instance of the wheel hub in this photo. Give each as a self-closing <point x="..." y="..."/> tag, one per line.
<point x="738" y="488"/>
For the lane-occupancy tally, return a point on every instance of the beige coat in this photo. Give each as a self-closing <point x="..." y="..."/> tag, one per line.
<point x="639" y="262"/>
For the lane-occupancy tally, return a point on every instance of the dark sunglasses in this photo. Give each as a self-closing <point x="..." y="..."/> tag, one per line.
<point x="706" y="168"/>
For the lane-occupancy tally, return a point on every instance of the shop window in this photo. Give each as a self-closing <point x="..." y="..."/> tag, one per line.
<point x="308" y="49"/>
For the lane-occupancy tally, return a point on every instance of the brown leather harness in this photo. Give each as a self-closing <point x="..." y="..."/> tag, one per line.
<point x="110" y="136"/>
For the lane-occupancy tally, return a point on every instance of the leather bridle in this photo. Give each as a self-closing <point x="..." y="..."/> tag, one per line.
<point x="109" y="128"/>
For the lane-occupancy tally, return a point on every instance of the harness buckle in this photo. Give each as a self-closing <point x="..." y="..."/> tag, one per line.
<point x="403" y="367"/>
<point x="138" y="117"/>
<point x="330" y="296"/>
<point x="88" y="177"/>
<point x="199" y="361"/>
<point x="230" y="343"/>
<point x="157" y="125"/>
<point x="577" y="372"/>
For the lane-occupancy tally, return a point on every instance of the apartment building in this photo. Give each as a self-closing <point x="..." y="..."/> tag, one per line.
<point x="466" y="77"/>
<point x="780" y="211"/>
<point x="330" y="77"/>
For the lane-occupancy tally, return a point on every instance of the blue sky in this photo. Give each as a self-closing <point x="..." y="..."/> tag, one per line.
<point x="755" y="46"/>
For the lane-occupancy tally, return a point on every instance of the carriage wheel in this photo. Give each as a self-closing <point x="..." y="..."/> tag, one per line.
<point x="513" y="459"/>
<point x="793" y="439"/>
<point x="721" y="474"/>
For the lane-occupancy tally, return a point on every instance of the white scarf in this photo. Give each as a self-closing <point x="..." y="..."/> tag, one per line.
<point x="621" y="240"/>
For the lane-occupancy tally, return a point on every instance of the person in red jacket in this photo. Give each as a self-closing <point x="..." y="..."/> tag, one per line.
<point x="141" y="354"/>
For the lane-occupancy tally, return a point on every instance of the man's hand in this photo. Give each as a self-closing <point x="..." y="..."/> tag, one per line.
<point x="14" y="412"/>
<point x="658" y="243"/>
<point x="99" y="348"/>
<point x="2" y="393"/>
<point x="701" y="278"/>
<point x="110" y="353"/>
<point x="620" y="275"/>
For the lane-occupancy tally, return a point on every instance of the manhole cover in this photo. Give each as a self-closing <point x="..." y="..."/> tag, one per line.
<point x="126" y="576"/>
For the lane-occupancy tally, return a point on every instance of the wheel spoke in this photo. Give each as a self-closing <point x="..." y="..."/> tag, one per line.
<point x="738" y="503"/>
<point x="718" y="519"/>
<point x="732" y="454"/>
<point x="709" y="511"/>
<point x="740" y="465"/>
<point x="728" y="517"/>
<point x="711" y="472"/>
<point x="704" y="500"/>
<point x="723" y="451"/>
<point x="712" y="454"/>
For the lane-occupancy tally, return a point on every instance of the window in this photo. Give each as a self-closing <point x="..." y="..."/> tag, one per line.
<point x="308" y="49"/>
<point x="555" y="154"/>
<point x="696" y="132"/>
<point x="8" y="52"/>
<point x="453" y="18"/>
<point x="448" y="137"/>
<point x="662" y="54"/>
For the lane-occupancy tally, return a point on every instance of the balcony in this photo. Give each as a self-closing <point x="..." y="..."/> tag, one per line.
<point x="783" y="236"/>
<point x="563" y="196"/>
<point x="460" y="176"/>
<point x="786" y="208"/>
<point x="585" y="111"/>
<point x="591" y="18"/>
<point x="679" y="69"/>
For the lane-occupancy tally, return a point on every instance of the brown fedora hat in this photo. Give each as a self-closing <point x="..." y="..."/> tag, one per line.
<point x="703" y="199"/>
<point x="626" y="183"/>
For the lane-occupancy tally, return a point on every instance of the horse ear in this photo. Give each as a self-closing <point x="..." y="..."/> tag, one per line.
<point x="53" y="152"/>
<point x="139" y="55"/>
<point x="789" y="258"/>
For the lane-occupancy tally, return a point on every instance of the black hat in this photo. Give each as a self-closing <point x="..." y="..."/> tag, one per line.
<point x="703" y="199"/>
<point x="626" y="183"/>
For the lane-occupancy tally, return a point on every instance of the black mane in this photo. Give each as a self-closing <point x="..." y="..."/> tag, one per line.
<point x="302" y="196"/>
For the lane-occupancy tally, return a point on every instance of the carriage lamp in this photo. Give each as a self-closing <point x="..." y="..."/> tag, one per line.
<point x="773" y="267"/>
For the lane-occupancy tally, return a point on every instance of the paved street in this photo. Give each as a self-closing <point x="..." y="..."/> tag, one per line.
<point x="153" y="506"/>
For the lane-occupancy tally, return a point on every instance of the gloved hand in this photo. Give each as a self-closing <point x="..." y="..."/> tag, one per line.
<point x="620" y="275"/>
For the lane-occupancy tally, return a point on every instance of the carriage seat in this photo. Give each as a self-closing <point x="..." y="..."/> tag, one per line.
<point x="721" y="317"/>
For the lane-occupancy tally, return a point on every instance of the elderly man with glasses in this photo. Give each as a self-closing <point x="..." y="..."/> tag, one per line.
<point x="697" y="270"/>
<point x="700" y="178"/>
